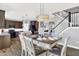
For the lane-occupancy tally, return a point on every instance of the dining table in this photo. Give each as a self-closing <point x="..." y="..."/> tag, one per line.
<point x="46" y="42"/>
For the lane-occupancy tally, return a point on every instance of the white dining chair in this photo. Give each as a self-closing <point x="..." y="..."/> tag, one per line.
<point x="31" y="48"/>
<point x="23" y="45"/>
<point x="63" y="50"/>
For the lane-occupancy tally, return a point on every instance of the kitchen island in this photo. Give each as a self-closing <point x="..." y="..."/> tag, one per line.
<point x="5" y="41"/>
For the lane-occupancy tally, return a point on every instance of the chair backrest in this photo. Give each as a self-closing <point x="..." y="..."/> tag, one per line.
<point x="22" y="41"/>
<point x="63" y="51"/>
<point x="30" y="46"/>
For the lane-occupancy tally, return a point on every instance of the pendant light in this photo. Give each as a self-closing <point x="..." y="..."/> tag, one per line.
<point x="42" y="16"/>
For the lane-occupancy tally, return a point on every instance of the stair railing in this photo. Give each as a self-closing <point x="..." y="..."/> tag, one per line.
<point x="60" y="22"/>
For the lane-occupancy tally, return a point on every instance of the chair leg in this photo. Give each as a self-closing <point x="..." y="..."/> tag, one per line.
<point x="26" y="53"/>
<point x="64" y="54"/>
<point x="23" y="52"/>
<point x="47" y="52"/>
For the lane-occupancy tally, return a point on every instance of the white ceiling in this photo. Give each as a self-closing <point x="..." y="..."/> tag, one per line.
<point x="20" y="11"/>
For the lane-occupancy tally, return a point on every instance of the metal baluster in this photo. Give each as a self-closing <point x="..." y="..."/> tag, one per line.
<point x="71" y="20"/>
<point x="74" y="20"/>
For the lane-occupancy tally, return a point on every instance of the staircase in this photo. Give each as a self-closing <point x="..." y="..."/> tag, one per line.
<point x="62" y="22"/>
<point x="68" y="27"/>
<point x="68" y="19"/>
<point x="62" y="14"/>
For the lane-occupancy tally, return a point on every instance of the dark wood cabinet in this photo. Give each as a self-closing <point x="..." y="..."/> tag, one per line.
<point x="2" y="18"/>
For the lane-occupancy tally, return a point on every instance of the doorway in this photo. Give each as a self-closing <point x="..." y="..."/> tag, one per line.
<point x="34" y="25"/>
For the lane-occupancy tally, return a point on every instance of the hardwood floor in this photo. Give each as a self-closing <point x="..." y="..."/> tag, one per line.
<point x="70" y="51"/>
<point x="13" y="50"/>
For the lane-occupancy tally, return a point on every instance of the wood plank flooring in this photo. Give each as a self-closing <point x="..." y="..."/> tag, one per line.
<point x="13" y="50"/>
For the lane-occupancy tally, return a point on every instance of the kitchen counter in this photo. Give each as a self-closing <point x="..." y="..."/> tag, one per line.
<point x="4" y="40"/>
